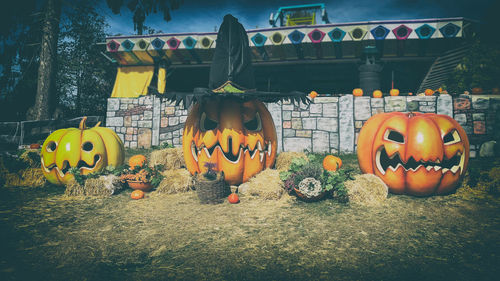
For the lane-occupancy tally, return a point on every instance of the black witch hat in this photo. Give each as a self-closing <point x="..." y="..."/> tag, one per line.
<point x="231" y="72"/>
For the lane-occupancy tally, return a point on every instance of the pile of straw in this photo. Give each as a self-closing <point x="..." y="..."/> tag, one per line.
<point x="175" y="181"/>
<point x="266" y="185"/>
<point x="170" y="158"/>
<point x="103" y="186"/>
<point x="284" y="159"/>
<point x="366" y="189"/>
<point x="28" y="177"/>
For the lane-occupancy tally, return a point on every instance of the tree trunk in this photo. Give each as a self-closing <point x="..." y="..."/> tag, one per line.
<point x="48" y="55"/>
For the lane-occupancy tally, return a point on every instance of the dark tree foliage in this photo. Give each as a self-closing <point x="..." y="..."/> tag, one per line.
<point x="85" y="78"/>
<point x="142" y="8"/>
<point x="19" y="52"/>
<point x="481" y="65"/>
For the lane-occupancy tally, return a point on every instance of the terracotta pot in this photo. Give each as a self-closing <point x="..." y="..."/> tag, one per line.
<point x="309" y="199"/>
<point x="140" y="185"/>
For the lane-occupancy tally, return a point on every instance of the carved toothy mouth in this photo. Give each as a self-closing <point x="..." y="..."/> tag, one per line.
<point x="229" y="156"/>
<point x="62" y="171"/>
<point x="394" y="162"/>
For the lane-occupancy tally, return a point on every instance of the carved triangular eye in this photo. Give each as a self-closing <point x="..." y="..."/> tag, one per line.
<point x="255" y="124"/>
<point x="206" y="123"/>
<point x="394" y="136"/>
<point x="451" y="137"/>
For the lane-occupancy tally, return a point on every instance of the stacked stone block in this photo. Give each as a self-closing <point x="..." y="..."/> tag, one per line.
<point x="329" y="124"/>
<point x="312" y="127"/>
<point x="477" y="115"/>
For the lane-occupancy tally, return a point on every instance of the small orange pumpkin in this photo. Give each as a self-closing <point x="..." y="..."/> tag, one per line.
<point x="358" y="92"/>
<point x="34" y="146"/>
<point x="313" y="94"/>
<point x="394" y="92"/>
<point x="332" y="163"/>
<point x="429" y="92"/>
<point x="137" y="160"/>
<point x="410" y="94"/>
<point x="233" y="198"/>
<point x="137" y="194"/>
<point x="377" y="94"/>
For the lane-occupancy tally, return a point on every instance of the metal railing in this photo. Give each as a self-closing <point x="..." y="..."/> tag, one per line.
<point x="20" y="134"/>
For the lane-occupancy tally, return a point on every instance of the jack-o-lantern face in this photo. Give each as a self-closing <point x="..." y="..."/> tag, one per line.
<point x="89" y="150"/>
<point x="414" y="153"/>
<point x="240" y="138"/>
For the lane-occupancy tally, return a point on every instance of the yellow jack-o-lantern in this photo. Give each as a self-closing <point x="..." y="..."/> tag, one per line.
<point x="239" y="137"/>
<point x="90" y="150"/>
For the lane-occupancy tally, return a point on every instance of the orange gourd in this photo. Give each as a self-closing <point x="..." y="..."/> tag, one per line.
<point x="233" y="198"/>
<point x="332" y="163"/>
<point x="313" y="94"/>
<point x="137" y="160"/>
<point x="414" y="153"/>
<point x="137" y="194"/>
<point x="239" y="137"/>
<point x="357" y="92"/>
<point x="394" y="92"/>
<point x="377" y="94"/>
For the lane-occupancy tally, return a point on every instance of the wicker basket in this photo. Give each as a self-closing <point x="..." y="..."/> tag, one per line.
<point x="211" y="191"/>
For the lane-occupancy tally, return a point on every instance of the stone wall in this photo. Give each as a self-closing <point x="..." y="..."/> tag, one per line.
<point x="146" y="121"/>
<point x="330" y="124"/>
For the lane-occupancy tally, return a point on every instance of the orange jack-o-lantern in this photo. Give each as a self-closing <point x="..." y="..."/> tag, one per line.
<point x="394" y="92"/>
<point x="89" y="150"/>
<point x="377" y="94"/>
<point x="239" y="137"/>
<point x="358" y="92"/>
<point x="414" y="153"/>
<point x="429" y="92"/>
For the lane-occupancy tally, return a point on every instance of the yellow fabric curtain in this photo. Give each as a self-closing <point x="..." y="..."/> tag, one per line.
<point x="132" y="81"/>
<point x="162" y="79"/>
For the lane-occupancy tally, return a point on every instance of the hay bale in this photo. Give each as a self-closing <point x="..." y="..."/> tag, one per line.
<point x="28" y="177"/>
<point x="31" y="157"/>
<point x="284" y="159"/>
<point x="103" y="186"/>
<point x="170" y="158"/>
<point x="266" y="185"/>
<point x="366" y="189"/>
<point x="175" y="181"/>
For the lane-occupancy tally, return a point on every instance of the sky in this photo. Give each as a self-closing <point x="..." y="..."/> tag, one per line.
<point x="207" y="15"/>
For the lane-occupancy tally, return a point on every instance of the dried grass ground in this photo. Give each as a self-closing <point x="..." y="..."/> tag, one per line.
<point x="47" y="236"/>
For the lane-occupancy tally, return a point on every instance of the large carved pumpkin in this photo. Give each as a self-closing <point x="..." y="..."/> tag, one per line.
<point x="239" y="137"/>
<point x="414" y="153"/>
<point x="90" y="150"/>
